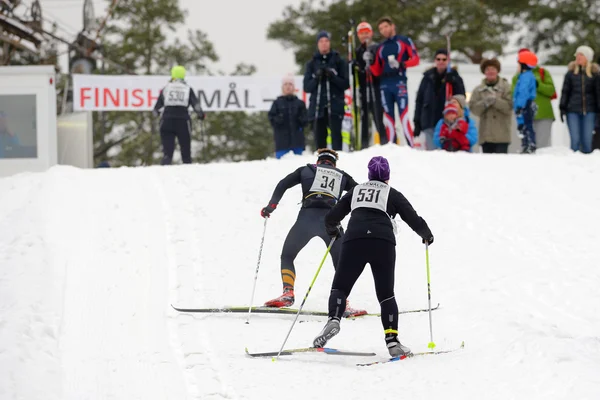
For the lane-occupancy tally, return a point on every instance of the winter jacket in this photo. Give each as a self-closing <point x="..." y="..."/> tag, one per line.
<point x="471" y="132"/>
<point x="454" y="137"/>
<point x="288" y="118"/>
<point x="545" y="91"/>
<point x="361" y="65"/>
<point x="493" y="105"/>
<point x="524" y="94"/>
<point x="580" y="93"/>
<point x="338" y="83"/>
<point x="431" y="97"/>
<point x="404" y="51"/>
<point x="175" y="98"/>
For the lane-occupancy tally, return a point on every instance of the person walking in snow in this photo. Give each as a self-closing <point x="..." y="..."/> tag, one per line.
<point x="288" y="118"/>
<point x="175" y="99"/>
<point x="322" y="186"/>
<point x="392" y="57"/>
<point x="370" y="238"/>
<point x="524" y="105"/>
<point x="580" y="99"/>
<point x="492" y="102"/>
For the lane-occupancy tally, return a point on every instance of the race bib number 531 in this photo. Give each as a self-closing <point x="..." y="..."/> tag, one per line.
<point x="371" y="194"/>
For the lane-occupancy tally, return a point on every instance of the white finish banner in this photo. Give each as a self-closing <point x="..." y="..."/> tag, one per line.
<point x="139" y="93"/>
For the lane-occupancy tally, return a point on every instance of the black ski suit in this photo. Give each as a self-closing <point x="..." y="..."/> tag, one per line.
<point x="322" y="186"/>
<point x="176" y="97"/>
<point x="373" y="105"/>
<point x="370" y="238"/>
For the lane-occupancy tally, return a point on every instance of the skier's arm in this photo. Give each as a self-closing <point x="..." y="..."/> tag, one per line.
<point x="310" y="81"/>
<point x="409" y="215"/>
<point x="160" y="103"/>
<point x="350" y="183"/>
<point x="341" y="78"/>
<point x="195" y="103"/>
<point x="413" y="55"/>
<point x="377" y="66"/>
<point x="286" y="183"/>
<point x="338" y="212"/>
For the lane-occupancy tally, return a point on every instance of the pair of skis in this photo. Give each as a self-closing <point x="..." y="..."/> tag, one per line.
<point x="337" y="352"/>
<point x="284" y="310"/>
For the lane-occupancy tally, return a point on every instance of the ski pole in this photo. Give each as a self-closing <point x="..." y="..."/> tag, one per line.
<point x="317" y="101"/>
<point x="431" y="344"/>
<point x="304" y="300"/>
<point x="329" y="119"/>
<point x="262" y="241"/>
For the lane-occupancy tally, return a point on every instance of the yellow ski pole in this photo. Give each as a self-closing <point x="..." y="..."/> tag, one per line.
<point x="431" y="344"/>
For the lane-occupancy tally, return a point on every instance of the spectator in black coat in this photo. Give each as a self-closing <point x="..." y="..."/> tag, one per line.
<point x="326" y="70"/>
<point x="288" y="118"/>
<point x="431" y="97"/>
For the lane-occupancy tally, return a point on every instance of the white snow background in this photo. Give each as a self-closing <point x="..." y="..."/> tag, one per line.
<point x="91" y="261"/>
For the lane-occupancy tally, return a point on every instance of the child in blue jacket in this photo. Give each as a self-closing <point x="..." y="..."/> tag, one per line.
<point x="524" y="101"/>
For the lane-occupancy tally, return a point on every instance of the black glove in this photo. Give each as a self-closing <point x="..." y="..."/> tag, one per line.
<point x="417" y="131"/>
<point x="562" y="115"/>
<point x="520" y="127"/>
<point x="329" y="72"/>
<point x="335" y="232"/>
<point x="266" y="211"/>
<point x="201" y="115"/>
<point x="320" y="72"/>
<point x="428" y="240"/>
<point x="451" y="76"/>
<point x="519" y="112"/>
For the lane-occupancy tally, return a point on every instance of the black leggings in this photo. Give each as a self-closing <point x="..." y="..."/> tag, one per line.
<point x="171" y="129"/>
<point x="310" y="223"/>
<point x="355" y="254"/>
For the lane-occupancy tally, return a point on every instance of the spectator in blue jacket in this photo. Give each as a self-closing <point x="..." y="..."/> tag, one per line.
<point x="524" y="105"/>
<point x="460" y="101"/>
<point x="8" y="140"/>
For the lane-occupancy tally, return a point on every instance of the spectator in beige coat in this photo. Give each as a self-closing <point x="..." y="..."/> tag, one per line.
<point x="492" y="102"/>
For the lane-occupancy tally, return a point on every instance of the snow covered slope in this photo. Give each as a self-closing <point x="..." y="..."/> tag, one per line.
<point x="90" y="262"/>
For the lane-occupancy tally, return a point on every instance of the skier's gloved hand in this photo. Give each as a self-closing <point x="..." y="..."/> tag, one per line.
<point x="201" y="115"/>
<point x="330" y="72"/>
<point x="335" y="232"/>
<point x="428" y="240"/>
<point x="319" y="72"/>
<point x="368" y="57"/>
<point x="394" y="64"/>
<point x="266" y="211"/>
<point x="417" y="130"/>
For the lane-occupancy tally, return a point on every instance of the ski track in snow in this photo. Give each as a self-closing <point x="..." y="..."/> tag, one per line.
<point x="90" y="262"/>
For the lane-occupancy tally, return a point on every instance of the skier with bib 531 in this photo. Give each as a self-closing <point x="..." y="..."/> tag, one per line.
<point x="322" y="186"/>
<point x="370" y="238"/>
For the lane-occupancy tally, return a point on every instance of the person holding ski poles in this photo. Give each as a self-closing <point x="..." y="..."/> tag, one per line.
<point x="322" y="186"/>
<point x="370" y="96"/>
<point x="175" y="98"/>
<point x="326" y="79"/>
<point x="392" y="58"/>
<point x="370" y="239"/>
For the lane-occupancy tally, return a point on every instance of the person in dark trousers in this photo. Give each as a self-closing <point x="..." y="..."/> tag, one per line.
<point x="431" y="97"/>
<point x="288" y="118"/>
<point x="326" y="79"/>
<point x="368" y="85"/>
<point x="392" y="57"/>
<point x="322" y="186"/>
<point x="370" y="238"/>
<point x="174" y="99"/>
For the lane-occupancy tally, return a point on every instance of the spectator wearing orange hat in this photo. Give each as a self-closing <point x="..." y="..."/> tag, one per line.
<point x="546" y="92"/>
<point x="524" y="105"/>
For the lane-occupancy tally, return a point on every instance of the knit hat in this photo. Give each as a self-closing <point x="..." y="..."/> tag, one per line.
<point x="323" y="34"/>
<point x="379" y="169"/>
<point x="441" y="51"/>
<point x="587" y="51"/>
<point x="528" y="58"/>
<point x="450" y="108"/>
<point x="364" y="26"/>
<point x="462" y="100"/>
<point x="490" y="63"/>
<point x="327" y="155"/>
<point x="289" y="78"/>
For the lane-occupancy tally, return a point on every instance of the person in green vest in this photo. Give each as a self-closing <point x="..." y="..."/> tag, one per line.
<point x="546" y="92"/>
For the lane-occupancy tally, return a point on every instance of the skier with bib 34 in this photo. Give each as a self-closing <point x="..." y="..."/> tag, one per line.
<point x="176" y="97"/>
<point x="370" y="238"/>
<point x="322" y="186"/>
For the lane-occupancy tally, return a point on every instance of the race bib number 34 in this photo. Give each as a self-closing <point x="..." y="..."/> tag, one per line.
<point x="371" y="194"/>
<point x="328" y="181"/>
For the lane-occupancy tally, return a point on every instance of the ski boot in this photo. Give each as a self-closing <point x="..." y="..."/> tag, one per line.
<point x="285" y="300"/>
<point x="353" y="312"/>
<point x="395" y="348"/>
<point x="332" y="328"/>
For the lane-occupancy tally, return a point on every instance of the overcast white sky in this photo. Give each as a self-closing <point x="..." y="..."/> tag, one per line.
<point x="238" y="28"/>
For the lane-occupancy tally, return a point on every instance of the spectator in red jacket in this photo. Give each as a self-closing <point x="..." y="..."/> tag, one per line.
<point x="453" y="132"/>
